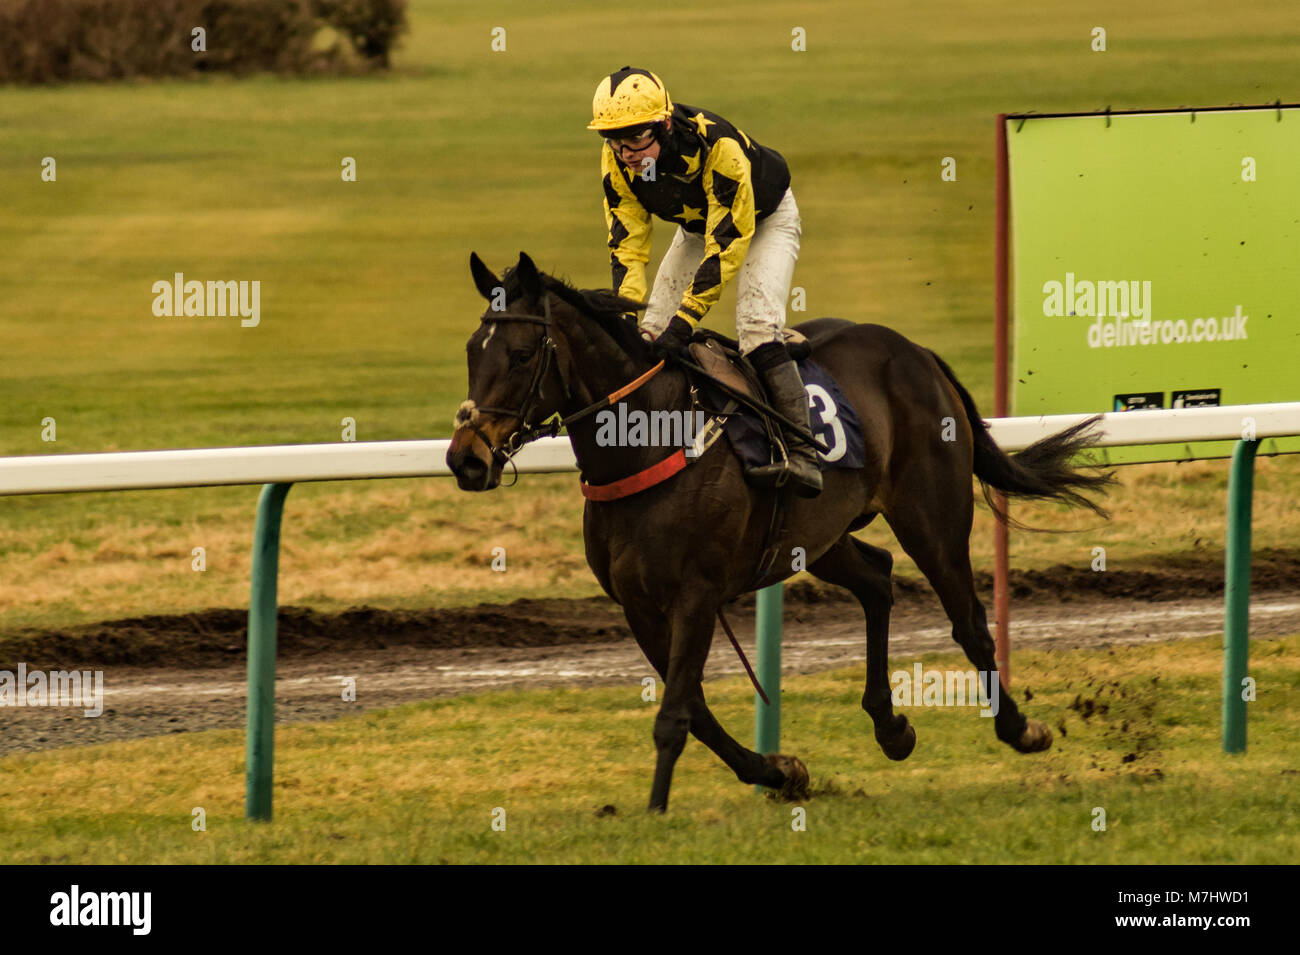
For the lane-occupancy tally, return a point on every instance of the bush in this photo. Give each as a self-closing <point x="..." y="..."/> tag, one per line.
<point x="371" y="25"/>
<point x="49" y="41"/>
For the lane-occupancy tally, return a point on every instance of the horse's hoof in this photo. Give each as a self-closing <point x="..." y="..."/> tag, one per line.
<point x="898" y="745"/>
<point x="795" y="772"/>
<point x="1036" y="738"/>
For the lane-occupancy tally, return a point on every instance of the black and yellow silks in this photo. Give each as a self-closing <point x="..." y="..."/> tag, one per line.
<point x="712" y="180"/>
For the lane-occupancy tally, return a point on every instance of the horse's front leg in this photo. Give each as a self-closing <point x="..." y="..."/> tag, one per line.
<point x="691" y="621"/>
<point x="782" y="773"/>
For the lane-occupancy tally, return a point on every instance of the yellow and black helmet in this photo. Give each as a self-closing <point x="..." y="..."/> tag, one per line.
<point x="629" y="98"/>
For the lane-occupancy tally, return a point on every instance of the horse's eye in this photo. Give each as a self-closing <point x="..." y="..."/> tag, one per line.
<point x="518" y="358"/>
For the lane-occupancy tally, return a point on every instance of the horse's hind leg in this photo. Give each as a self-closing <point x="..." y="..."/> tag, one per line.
<point x="934" y="529"/>
<point x="785" y="774"/>
<point x="865" y="571"/>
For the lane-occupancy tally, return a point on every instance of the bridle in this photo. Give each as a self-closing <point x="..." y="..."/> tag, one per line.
<point x="528" y="432"/>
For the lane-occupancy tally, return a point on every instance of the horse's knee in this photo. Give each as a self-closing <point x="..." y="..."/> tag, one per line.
<point x="670" y="731"/>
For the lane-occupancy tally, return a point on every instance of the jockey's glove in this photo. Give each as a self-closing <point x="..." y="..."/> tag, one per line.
<point x="674" y="339"/>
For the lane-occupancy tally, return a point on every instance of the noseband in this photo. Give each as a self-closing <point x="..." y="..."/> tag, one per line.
<point x="527" y="431"/>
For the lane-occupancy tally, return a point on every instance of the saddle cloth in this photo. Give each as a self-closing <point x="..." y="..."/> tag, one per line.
<point x="832" y="417"/>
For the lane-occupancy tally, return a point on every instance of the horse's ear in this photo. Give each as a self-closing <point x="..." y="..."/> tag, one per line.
<point x="484" y="280"/>
<point x="529" y="279"/>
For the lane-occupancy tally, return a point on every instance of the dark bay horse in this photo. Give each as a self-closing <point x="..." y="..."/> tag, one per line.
<point x="674" y="554"/>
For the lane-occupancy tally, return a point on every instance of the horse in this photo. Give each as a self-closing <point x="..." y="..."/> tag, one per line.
<point x="676" y="552"/>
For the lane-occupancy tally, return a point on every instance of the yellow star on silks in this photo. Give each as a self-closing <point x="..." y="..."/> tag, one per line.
<point x="688" y="214"/>
<point x="702" y="123"/>
<point x="692" y="163"/>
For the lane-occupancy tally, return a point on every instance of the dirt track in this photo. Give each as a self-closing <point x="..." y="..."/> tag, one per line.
<point x="181" y="674"/>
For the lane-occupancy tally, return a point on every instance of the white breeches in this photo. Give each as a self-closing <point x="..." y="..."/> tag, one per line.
<point x="763" y="283"/>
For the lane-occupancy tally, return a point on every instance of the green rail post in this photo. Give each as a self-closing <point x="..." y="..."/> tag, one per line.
<point x="261" y="652"/>
<point x="1236" y="586"/>
<point x="767" y="636"/>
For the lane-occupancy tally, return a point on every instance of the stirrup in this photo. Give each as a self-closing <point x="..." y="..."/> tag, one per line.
<point x="780" y="473"/>
<point x="774" y="473"/>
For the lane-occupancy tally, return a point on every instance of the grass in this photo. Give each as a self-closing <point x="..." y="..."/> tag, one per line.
<point x="413" y="544"/>
<point x="421" y="783"/>
<point x="366" y="296"/>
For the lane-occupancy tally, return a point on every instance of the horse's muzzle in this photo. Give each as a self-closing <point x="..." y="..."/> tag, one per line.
<point x="472" y="472"/>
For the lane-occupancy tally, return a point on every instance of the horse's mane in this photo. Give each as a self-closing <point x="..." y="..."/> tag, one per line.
<point x="603" y="306"/>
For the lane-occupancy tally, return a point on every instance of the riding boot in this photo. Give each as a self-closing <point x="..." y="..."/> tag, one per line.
<point x="785" y="388"/>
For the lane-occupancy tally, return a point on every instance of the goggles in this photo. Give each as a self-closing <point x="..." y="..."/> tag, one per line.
<point x="635" y="141"/>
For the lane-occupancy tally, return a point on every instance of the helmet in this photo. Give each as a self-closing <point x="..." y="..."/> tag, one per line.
<point x="629" y="98"/>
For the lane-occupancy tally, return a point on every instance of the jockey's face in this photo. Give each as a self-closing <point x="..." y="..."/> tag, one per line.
<point x="634" y="157"/>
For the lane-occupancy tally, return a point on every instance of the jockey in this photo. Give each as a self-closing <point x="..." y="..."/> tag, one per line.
<point x="730" y="198"/>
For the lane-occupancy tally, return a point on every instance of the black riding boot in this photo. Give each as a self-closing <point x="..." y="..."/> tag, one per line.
<point x="786" y="390"/>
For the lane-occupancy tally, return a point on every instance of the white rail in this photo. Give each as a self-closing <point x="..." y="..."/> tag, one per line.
<point x="273" y="464"/>
<point x="1160" y="426"/>
<point x="347" y="461"/>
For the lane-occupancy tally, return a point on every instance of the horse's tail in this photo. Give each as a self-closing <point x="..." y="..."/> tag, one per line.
<point x="1041" y="471"/>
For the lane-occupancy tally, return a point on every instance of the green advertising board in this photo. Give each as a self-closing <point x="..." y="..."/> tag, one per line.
<point x="1155" y="262"/>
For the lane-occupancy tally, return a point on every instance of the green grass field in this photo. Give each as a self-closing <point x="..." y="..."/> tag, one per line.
<point x="420" y="783"/>
<point x="366" y="297"/>
<point x="366" y="294"/>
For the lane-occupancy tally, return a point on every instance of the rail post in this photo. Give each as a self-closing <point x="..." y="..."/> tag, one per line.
<point x="768" y="605"/>
<point x="1236" y="589"/>
<point x="261" y="652"/>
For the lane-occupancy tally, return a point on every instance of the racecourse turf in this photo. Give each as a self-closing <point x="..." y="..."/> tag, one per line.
<point x="1136" y="775"/>
<point x="365" y="294"/>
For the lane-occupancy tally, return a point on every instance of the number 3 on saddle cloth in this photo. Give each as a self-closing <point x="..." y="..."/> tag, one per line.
<point x="832" y="417"/>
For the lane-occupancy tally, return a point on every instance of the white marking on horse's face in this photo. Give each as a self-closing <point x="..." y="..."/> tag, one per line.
<point x="492" y="330"/>
<point x="466" y="414"/>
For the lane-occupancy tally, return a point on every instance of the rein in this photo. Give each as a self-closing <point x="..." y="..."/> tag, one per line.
<point x="743" y="659"/>
<point x="527" y="433"/>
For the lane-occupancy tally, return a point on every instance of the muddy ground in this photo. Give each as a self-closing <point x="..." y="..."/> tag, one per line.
<point x="176" y="674"/>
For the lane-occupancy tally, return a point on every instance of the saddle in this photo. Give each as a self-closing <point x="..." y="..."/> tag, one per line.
<point x="721" y="360"/>
<point x="725" y="379"/>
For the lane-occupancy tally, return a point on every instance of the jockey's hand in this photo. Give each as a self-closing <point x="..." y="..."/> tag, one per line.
<point x="674" y="339"/>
